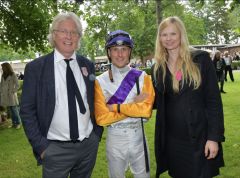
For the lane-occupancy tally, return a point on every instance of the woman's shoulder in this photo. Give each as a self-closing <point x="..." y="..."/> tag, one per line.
<point x="198" y="53"/>
<point x="200" y="56"/>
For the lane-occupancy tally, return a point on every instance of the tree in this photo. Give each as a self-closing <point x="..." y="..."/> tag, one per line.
<point x="159" y="11"/>
<point x="24" y="24"/>
<point x="195" y="32"/>
<point x="8" y="54"/>
<point x="234" y="22"/>
<point x="218" y="19"/>
<point x="136" y="17"/>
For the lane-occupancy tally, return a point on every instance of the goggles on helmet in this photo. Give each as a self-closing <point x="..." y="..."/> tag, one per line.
<point x="117" y="38"/>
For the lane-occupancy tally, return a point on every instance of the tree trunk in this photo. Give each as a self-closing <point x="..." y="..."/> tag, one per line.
<point x="159" y="11"/>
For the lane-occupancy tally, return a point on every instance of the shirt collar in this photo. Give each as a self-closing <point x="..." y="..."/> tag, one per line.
<point x="122" y="71"/>
<point x="59" y="57"/>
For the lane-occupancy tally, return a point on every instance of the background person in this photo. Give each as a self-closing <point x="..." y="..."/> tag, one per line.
<point x="8" y="90"/>
<point x="228" y="69"/>
<point x="236" y="56"/>
<point x="49" y="106"/>
<point x="189" y="120"/>
<point x="119" y="107"/>
<point x="219" y="65"/>
<point x="21" y="76"/>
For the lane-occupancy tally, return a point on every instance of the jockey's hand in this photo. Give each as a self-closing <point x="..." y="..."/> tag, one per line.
<point x="140" y="98"/>
<point x="110" y="107"/>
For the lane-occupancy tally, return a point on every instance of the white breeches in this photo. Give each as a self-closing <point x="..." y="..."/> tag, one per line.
<point x="125" y="148"/>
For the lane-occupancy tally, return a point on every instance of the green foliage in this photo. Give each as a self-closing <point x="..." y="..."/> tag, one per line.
<point x="144" y="33"/>
<point x="98" y="73"/>
<point x="148" y="71"/>
<point x="215" y="15"/>
<point x="218" y="22"/>
<point x="24" y="24"/>
<point x="234" y="21"/>
<point x="196" y="33"/>
<point x="8" y="54"/>
<point x="139" y="19"/>
<point x="172" y="8"/>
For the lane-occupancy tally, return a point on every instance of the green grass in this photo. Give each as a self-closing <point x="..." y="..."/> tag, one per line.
<point x="17" y="161"/>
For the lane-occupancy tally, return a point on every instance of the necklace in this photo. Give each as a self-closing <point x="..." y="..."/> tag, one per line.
<point x="174" y="71"/>
<point x="172" y="67"/>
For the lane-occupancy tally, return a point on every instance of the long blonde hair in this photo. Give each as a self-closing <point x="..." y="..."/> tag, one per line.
<point x="190" y="71"/>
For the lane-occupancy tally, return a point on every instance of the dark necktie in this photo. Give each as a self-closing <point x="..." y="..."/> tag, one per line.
<point x="73" y="93"/>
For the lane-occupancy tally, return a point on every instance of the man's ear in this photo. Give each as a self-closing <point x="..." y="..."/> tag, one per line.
<point x="108" y="55"/>
<point x="108" y="51"/>
<point x="130" y="51"/>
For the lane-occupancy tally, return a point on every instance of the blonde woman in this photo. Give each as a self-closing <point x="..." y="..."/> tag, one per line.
<point x="189" y="119"/>
<point x="8" y="89"/>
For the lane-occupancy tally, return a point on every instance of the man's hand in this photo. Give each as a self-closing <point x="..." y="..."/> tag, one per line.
<point x="42" y="154"/>
<point x="211" y="149"/>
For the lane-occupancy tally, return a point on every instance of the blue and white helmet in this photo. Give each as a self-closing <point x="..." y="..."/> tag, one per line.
<point x="118" y="38"/>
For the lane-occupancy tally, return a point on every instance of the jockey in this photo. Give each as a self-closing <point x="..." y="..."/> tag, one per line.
<point x="124" y="98"/>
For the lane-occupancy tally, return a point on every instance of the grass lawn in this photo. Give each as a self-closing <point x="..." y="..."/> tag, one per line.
<point x="17" y="161"/>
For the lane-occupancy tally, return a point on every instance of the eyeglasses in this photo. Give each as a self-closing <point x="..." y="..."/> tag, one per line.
<point x="110" y="37"/>
<point x="64" y="33"/>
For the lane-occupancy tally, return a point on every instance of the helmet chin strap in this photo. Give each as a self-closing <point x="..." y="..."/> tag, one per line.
<point x="110" y="73"/>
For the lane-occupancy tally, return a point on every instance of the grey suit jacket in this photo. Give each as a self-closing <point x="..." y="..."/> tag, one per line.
<point x="38" y="99"/>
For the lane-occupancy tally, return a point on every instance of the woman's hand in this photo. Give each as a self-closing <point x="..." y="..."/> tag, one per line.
<point x="211" y="149"/>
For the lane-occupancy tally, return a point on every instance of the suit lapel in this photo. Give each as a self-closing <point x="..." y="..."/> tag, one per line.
<point x="84" y="71"/>
<point x="49" y="78"/>
<point x="84" y="68"/>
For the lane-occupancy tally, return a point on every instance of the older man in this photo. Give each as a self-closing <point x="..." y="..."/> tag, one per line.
<point x="57" y="104"/>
